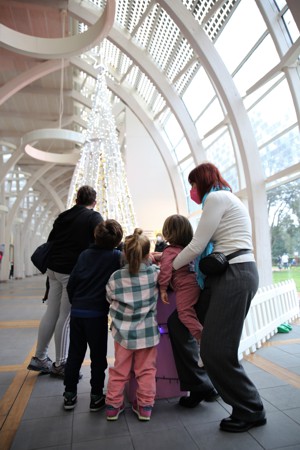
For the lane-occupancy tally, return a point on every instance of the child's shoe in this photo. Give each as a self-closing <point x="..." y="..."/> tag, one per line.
<point x="70" y="400"/>
<point x="113" y="413"/>
<point x="97" y="402"/>
<point x="143" y="412"/>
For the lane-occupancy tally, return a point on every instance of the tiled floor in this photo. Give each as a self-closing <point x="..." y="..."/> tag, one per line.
<point x="32" y="416"/>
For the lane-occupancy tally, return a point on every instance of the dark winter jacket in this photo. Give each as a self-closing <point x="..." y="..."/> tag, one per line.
<point x="72" y="232"/>
<point x="87" y="283"/>
<point x="160" y="246"/>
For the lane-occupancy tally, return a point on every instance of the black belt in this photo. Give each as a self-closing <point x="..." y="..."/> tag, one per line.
<point x="238" y="253"/>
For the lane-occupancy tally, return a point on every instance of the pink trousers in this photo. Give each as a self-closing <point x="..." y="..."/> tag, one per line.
<point x="143" y="363"/>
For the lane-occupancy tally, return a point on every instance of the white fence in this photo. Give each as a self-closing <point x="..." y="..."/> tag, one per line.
<point x="271" y="306"/>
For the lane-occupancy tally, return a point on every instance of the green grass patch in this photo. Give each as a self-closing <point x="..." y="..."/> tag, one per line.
<point x="287" y="274"/>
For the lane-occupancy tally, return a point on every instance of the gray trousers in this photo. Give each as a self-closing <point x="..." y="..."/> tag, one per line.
<point x="222" y="309"/>
<point x="56" y="319"/>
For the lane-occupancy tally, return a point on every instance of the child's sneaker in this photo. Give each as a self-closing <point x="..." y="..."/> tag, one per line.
<point x="58" y="371"/>
<point x="143" y="412"/>
<point x="113" y="413"/>
<point x="40" y="365"/>
<point x="70" y="400"/>
<point x="97" y="402"/>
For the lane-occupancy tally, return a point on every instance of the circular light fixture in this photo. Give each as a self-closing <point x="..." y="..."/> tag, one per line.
<point x="31" y="138"/>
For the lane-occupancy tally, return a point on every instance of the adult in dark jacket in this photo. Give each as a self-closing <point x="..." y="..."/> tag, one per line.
<point x="89" y="312"/>
<point x="72" y="232"/>
<point x="160" y="244"/>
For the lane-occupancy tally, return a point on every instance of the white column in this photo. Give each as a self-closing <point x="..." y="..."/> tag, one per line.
<point x="5" y="264"/>
<point x="19" y="256"/>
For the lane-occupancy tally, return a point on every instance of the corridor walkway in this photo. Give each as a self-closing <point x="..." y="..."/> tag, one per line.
<point x="32" y="416"/>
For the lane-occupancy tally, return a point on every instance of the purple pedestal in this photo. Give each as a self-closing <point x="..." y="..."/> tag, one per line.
<point x="167" y="382"/>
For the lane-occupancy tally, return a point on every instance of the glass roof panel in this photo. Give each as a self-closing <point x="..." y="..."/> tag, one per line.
<point x="210" y="118"/>
<point x="273" y="113"/>
<point x="199" y="93"/>
<point x="281" y="153"/>
<point x="230" y="46"/>
<point x="263" y="59"/>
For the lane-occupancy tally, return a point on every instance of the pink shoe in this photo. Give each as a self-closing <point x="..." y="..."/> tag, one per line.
<point x="143" y="412"/>
<point x="113" y="413"/>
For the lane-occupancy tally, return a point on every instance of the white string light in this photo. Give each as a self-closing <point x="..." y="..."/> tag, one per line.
<point x="101" y="165"/>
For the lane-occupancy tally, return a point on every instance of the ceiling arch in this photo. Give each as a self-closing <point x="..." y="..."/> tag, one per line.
<point x="147" y="66"/>
<point x="52" y="48"/>
<point x="156" y="48"/>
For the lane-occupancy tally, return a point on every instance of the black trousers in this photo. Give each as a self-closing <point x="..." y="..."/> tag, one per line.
<point x="85" y="332"/>
<point x="186" y="356"/>
<point x="222" y="309"/>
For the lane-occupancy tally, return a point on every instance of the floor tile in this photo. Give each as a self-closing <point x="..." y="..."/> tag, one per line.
<point x="91" y="426"/>
<point x="41" y="433"/>
<point x="46" y="425"/>
<point x="280" y="431"/>
<point x="210" y="437"/>
<point x="171" y="438"/>
<point x="282" y="397"/>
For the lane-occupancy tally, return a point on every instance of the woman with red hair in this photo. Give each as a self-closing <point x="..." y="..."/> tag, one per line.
<point x="223" y="304"/>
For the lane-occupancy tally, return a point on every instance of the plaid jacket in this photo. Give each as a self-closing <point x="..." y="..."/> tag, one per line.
<point x="133" y="307"/>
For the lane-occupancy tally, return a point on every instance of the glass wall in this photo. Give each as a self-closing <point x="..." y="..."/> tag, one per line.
<point x="271" y="107"/>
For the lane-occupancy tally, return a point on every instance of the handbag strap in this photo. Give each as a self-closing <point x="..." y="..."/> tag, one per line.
<point x="238" y="253"/>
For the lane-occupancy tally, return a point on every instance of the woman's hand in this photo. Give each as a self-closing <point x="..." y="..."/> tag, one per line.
<point x="164" y="297"/>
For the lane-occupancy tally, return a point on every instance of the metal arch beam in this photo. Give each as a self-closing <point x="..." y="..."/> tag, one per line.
<point x="52" y="48"/>
<point x="170" y="165"/>
<point x="21" y="195"/>
<point x="237" y="114"/>
<point x="5" y="168"/>
<point x="142" y="60"/>
<point x="129" y="99"/>
<point x="47" y="189"/>
<point x="24" y="79"/>
<point x="26" y="242"/>
<point x="53" y="194"/>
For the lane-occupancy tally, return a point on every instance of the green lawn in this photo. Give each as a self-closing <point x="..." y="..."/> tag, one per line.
<point x="287" y="274"/>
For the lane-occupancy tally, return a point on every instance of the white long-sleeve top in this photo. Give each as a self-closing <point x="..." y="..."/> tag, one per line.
<point x="224" y="221"/>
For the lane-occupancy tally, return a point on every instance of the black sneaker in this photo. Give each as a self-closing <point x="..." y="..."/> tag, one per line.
<point x="70" y="400"/>
<point x="97" y="402"/>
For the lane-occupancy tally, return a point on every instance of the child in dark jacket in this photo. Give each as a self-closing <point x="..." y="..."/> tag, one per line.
<point x="89" y="312"/>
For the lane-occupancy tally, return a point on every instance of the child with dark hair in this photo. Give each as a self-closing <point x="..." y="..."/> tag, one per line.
<point x="132" y="294"/>
<point x="89" y="312"/>
<point x="179" y="233"/>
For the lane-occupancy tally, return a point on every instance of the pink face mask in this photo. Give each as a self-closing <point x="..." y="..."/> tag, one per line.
<point x="195" y="196"/>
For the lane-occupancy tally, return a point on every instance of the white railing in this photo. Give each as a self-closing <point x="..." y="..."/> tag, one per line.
<point x="271" y="306"/>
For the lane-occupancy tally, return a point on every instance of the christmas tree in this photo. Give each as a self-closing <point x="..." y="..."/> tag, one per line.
<point x="101" y="165"/>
